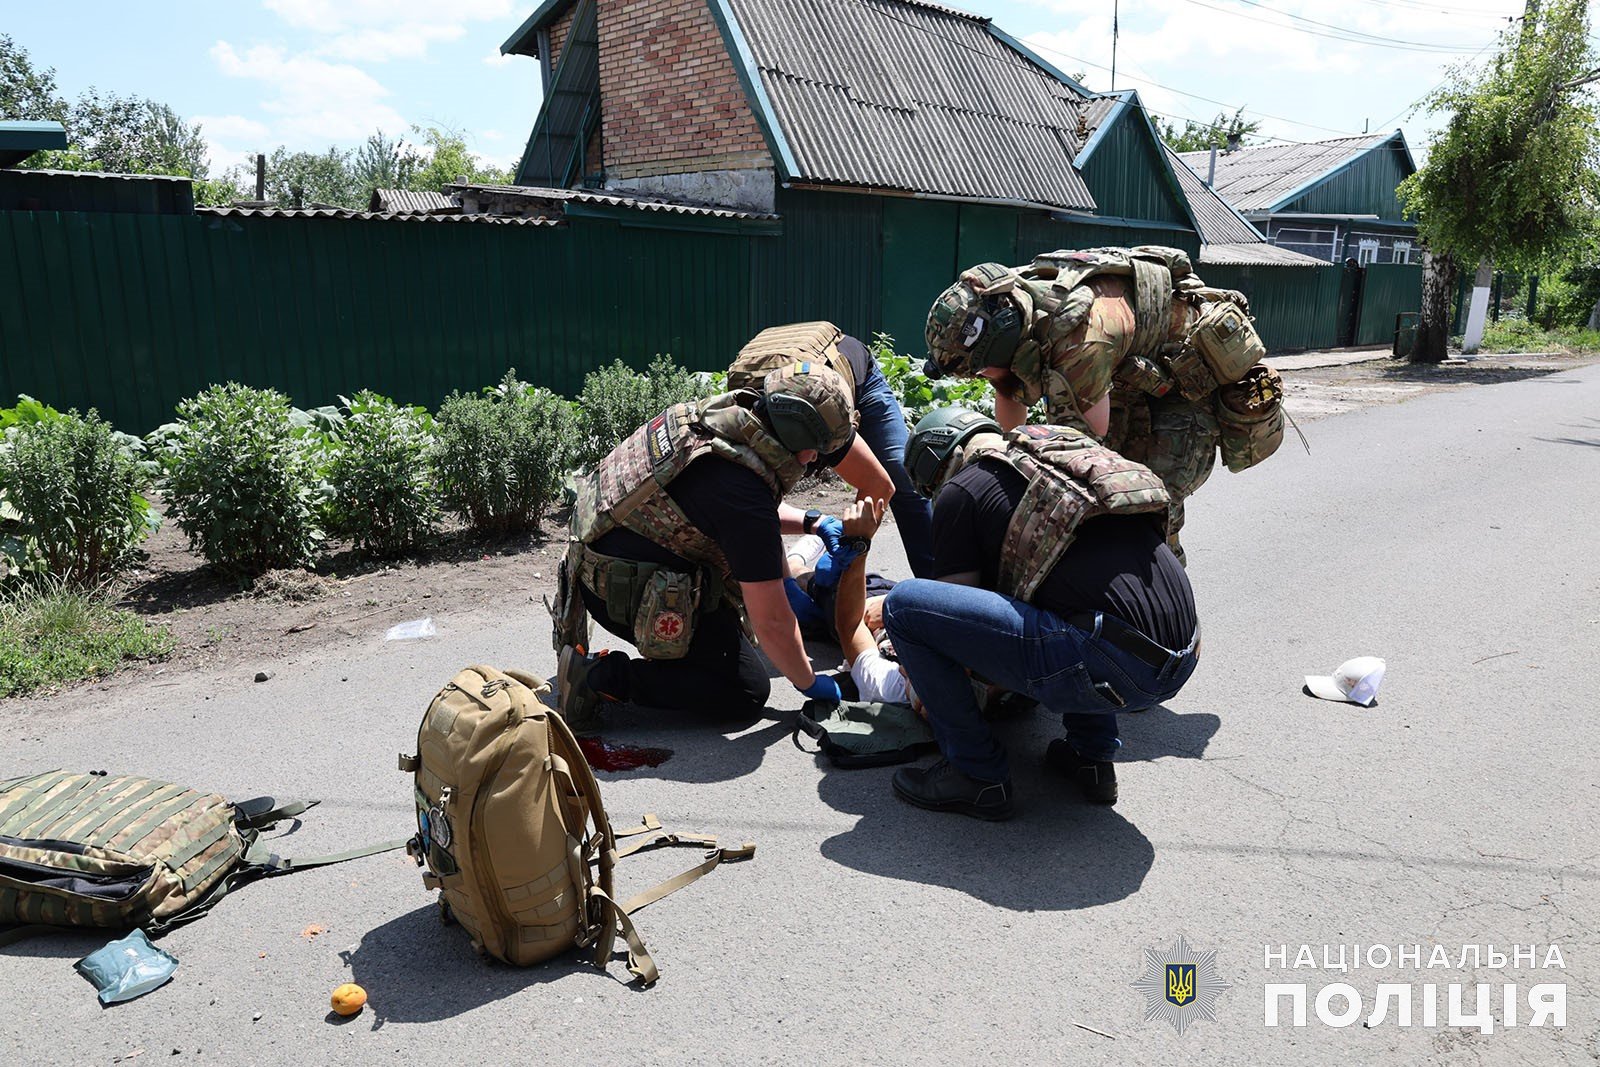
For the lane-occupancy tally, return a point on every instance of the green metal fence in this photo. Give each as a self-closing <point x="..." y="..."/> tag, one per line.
<point x="1295" y="307"/>
<point x="130" y="312"/>
<point x="1387" y="290"/>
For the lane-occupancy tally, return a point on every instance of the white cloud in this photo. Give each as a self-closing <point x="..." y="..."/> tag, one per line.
<point x="1245" y="55"/>
<point x="379" y="30"/>
<point x="311" y="99"/>
<point x="232" y="127"/>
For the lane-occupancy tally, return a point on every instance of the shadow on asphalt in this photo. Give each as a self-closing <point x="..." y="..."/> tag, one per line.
<point x="700" y="752"/>
<point x="1058" y="854"/>
<point x="416" y="969"/>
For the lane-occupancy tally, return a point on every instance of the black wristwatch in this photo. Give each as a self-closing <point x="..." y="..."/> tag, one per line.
<point x="859" y="545"/>
<point x="810" y="523"/>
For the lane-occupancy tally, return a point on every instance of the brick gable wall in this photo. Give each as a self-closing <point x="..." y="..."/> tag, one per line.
<point x="672" y="100"/>
<point x="558" y="34"/>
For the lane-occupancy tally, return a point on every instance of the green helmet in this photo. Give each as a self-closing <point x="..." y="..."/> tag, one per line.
<point x="939" y="434"/>
<point x="974" y="324"/>
<point x="808" y="406"/>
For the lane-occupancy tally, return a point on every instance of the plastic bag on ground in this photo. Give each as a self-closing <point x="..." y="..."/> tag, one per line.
<point x="126" y="968"/>
<point x="410" y="631"/>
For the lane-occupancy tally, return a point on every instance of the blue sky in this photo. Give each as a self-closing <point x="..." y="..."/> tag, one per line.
<point x="310" y="73"/>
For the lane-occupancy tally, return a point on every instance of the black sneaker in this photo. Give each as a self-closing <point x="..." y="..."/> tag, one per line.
<point x="1096" y="779"/>
<point x="943" y="788"/>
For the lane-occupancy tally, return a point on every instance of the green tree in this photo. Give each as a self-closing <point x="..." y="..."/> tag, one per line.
<point x="1199" y="136"/>
<point x="27" y="92"/>
<point x="301" y="179"/>
<point x="1512" y="175"/>
<point x="450" y="162"/>
<point x="384" y="162"/>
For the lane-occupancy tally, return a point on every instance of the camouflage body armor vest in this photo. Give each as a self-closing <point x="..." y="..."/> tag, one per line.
<point x="780" y="346"/>
<point x="629" y="490"/>
<point x="1187" y="336"/>
<point x="1071" y="478"/>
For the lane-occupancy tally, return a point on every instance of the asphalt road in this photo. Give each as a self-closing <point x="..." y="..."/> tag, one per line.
<point x="1453" y="535"/>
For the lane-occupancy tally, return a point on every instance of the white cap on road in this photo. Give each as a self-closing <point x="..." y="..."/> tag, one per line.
<point x="1355" y="681"/>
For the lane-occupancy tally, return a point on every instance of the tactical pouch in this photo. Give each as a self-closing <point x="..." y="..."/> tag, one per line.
<point x="663" y="624"/>
<point x="1250" y="417"/>
<point x="1227" y="340"/>
<point x="570" y="616"/>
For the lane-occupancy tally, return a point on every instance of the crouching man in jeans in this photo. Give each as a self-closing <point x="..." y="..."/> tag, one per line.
<point x="1055" y="581"/>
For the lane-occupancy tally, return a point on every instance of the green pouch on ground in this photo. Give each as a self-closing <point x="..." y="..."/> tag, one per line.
<point x="664" y="623"/>
<point x="861" y="733"/>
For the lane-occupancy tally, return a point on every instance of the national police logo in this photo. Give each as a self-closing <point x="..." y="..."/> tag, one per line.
<point x="1180" y="985"/>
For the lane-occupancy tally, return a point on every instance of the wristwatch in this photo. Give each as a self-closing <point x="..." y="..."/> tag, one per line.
<point x="810" y="523"/>
<point x="859" y="545"/>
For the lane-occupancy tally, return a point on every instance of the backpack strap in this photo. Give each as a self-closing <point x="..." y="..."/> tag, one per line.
<point x="615" y="919"/>
<point x="261" y="856"/>
<point x="258" y="813"/>
<point x="714" y="859"/>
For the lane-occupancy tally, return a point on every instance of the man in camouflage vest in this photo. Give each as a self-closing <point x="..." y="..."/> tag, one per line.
<point x="1127" y="344"/>
<point x="678" y="529"/>
<point x="1055" y="582"/>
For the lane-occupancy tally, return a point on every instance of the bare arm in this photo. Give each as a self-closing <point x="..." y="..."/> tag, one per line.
<point x="861" y="469"/>
<point x="860" y="520"/>
<point x="1009" y="413"/>
<point x="791" y="520"/>
<point x="773" y="621"/>
<point x="1099" y="416"/>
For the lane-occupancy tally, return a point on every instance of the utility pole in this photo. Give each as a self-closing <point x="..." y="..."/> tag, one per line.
<point x="1114" y="6"/>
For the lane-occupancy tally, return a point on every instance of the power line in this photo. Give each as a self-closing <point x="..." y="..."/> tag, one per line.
<point x="1340" y="34"/>
<point x="1210" y="100"/>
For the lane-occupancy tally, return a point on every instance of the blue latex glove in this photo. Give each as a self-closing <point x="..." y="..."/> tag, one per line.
<point x="831" y="567"/>
<point x="805" y="609"/>
<point x="824" y="688"/>
<point x="831" y="530"/>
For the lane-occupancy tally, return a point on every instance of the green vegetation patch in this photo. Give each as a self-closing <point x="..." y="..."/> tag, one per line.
<point x="51" y="636"/>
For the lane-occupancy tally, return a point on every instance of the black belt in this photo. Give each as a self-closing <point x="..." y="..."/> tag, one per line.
<point x="1123" y="636"/>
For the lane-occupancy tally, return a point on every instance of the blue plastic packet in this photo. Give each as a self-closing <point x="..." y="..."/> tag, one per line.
<point x="126" y="968"/>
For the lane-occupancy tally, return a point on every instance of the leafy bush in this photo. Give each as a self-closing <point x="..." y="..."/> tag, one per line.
<point x="617" y="400"/>
<point x="918" y="394"/>
<point x="70" y="496"/>
<point x="499" y="457"/>
<point x="51" y="633"/>
<point x="383" y="493"/>
<point x="241" y="479"/>
<point x="1517" y="334"/>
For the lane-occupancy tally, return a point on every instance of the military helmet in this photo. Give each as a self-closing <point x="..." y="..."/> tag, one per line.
<point x="808" y="406"/>
<point x="976" y="323"/>
<point x="939" y="434"/>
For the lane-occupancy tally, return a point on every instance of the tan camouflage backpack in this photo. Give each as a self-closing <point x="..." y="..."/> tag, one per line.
<point x="513" y="832"/>
<point x="119" y="851"/>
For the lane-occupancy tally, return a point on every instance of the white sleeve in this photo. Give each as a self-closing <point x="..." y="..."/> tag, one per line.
<point x="878" y="678"/>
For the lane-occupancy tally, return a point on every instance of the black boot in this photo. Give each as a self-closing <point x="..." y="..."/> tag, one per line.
<point x="1096" y="779"/>
<point x="943" y="788"/>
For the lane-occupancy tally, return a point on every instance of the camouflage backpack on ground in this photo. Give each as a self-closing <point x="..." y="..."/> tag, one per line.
<point x="513" y="832"/>
<point x="117" y="851"/>
<point x="1070" y="478"/>
<point x="780" y="346"/>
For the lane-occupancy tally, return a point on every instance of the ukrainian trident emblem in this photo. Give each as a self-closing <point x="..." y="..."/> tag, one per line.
<point x="1180" y="985"/>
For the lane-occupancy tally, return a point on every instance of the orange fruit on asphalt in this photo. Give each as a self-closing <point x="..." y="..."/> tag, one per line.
<point x="349" y="999"/>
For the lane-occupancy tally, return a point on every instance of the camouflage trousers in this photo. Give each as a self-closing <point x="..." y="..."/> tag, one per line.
<point x="1174" y="437"/>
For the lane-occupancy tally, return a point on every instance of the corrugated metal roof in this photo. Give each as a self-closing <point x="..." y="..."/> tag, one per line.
<point x="587" y="196"/>
<point x="1260" y="177"/>
<point x="910" y="95"/>
<point x="399" y="201"/>
<point x="343" y="213"/>
<point x="1218" y="223"/>
<point x="21" y="138"/>
<point x="1254" y="253"/>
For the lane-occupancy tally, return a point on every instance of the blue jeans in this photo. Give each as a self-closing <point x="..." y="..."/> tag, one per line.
<point x="883" y="428"/>
<point x="940" y="630"/>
